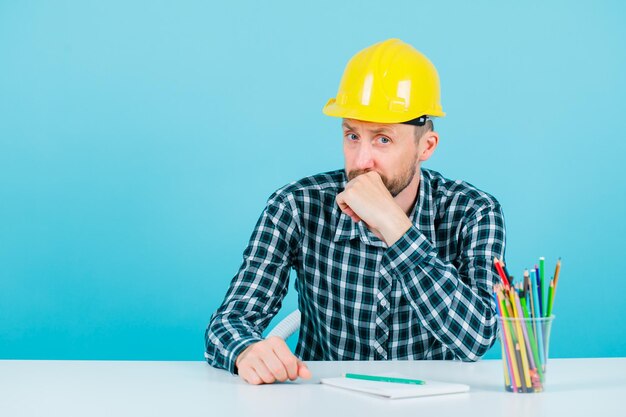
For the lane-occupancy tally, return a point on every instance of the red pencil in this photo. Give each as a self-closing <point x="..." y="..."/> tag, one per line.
<point x="506" y="273"/>
<point x="505" y="280"/>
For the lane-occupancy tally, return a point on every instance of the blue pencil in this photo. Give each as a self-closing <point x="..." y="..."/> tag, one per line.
<point x="537" y="326"/>
<point x="540" y="288"/>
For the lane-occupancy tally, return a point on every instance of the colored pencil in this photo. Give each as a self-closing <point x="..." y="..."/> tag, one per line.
<point x="525" y="310"/>
<point x="540" y="288"/>
<point x="555" y="281"/>
<point x="508" y="374"/>
<point x="550" y="297"/>
<point x="503" y="276"/>
<point x="538" y="327"/>
<point x="520" y="339"/>
<point x="506" y="273"/>
<point x="557" y="271"/>
<point x="524" y="333"/>
<point x="535" y="293"/>
<point x="544" y="304"/>
<point x="515" y="378"/>
<point x="532" y="339"/>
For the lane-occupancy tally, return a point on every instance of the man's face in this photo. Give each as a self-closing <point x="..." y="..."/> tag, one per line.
<point x="388" y="149"/>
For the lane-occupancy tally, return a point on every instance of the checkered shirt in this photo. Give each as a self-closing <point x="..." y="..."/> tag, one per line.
<point x="427" y="296"/>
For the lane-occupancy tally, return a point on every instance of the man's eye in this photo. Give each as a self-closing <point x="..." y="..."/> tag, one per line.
<point x="351" y="136"/>
<point x="384" y="140"/>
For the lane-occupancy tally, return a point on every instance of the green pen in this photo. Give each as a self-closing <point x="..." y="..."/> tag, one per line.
<point x="385" y="379"/>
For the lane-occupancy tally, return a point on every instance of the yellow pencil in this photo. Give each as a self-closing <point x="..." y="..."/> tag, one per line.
<point x="520" y="338"/>
<point x="509" y="342"/>
<point x="507" y="380"/>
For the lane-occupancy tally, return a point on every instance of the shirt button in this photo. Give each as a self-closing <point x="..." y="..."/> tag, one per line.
<point x="383" y="303"/>
<point x="379" y="349"/>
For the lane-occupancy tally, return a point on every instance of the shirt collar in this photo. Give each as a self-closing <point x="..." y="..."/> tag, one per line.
<point x="422" y="217"/>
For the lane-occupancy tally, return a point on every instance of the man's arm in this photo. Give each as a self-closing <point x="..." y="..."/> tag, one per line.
<point x="456" y="306"/>
<point x="256" y="292"/>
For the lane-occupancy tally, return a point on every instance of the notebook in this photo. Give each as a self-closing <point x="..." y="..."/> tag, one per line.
<point x="394" y="390"/>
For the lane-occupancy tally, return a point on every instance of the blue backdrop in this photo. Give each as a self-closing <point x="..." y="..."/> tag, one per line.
<point x="140" y="140"/>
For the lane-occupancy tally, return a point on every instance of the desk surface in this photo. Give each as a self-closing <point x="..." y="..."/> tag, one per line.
<point x="575" y="387"/>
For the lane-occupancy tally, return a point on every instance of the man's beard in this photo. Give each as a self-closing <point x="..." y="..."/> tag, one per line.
<point x="394" y="185"/>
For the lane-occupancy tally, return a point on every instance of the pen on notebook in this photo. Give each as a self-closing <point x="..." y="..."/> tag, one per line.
<point x="385" y="379"/>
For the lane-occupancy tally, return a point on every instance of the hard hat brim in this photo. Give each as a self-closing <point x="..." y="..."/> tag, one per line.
<point x="333" y="109"/>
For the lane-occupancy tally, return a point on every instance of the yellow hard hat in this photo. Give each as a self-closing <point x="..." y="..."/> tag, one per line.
<point x="388" y="82"/>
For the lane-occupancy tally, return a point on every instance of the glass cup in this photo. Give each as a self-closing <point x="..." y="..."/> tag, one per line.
<point x="525" y="343"/>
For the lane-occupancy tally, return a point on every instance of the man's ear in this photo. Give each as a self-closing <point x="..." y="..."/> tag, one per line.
<point x="427" y="145"/>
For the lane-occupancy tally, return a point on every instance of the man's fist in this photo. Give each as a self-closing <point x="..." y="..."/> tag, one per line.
<point x="367" y="198"/>
<point x="268" y="361"/>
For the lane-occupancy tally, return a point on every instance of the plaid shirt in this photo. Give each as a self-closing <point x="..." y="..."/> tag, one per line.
<point x="427" y="296"/>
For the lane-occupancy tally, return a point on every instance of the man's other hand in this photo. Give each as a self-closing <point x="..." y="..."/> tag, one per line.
<point x="268" y="361"/>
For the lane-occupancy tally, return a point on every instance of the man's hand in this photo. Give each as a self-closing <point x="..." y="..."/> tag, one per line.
<point x="366" y="198"/>
<point x="268" y="361"/>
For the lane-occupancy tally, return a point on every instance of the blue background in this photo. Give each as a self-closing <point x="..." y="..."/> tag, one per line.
<point x="140" y="140"/>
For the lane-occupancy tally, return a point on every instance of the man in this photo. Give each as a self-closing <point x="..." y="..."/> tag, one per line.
<point x="393" y="261"/>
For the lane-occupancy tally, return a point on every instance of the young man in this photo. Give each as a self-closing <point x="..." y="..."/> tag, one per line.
<point x="393" y="261"/>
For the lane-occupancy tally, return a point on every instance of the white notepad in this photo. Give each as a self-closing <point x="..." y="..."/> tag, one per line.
<point x="395" y="390"/>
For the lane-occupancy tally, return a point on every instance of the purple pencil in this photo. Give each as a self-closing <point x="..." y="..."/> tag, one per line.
<point x="526" y="338"/>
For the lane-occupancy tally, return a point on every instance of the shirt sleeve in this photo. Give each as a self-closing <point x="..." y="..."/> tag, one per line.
<point x="455" y="305"/>
<point x="256" y="292"/>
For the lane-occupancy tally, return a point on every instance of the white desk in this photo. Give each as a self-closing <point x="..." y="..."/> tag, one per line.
<point x="575" y="387"/>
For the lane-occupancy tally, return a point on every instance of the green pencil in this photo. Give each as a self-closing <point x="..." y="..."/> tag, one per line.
<point x="544" y="304"/>
<point x="385" y="379"/>
<point x="555" y="280"/>
<point x="531" y="336"/>
<point x="550" y="298"/>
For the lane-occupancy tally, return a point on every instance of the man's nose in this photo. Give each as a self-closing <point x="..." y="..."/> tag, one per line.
<point x="364" y="159"/>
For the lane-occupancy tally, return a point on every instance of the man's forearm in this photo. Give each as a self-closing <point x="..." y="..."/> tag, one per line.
<point x="460" y="317"/>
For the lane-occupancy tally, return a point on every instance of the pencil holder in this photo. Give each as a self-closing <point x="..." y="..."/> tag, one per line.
<point x="525" y="343"/>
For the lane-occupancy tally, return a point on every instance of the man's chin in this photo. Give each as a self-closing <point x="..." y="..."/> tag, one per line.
<point x="395" y="189"/>
<point x="396" y="192"/>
